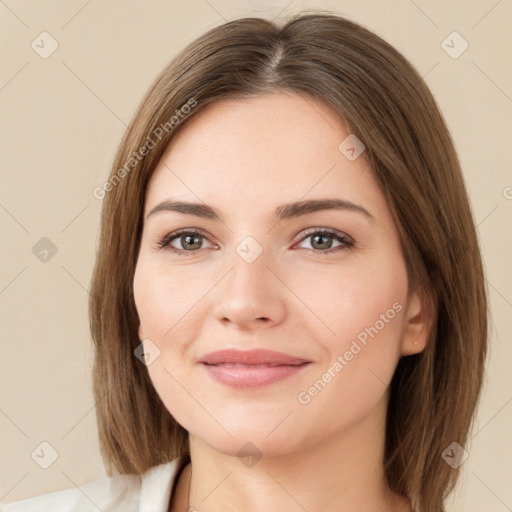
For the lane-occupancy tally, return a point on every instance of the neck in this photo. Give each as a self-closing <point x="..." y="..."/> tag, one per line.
<point x="343" y="473"/>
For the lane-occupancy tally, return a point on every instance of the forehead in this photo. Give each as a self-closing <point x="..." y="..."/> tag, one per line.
<point x="273" y="148"/>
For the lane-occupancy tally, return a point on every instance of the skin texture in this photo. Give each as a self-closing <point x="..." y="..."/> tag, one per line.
<point x="245" y="158"/>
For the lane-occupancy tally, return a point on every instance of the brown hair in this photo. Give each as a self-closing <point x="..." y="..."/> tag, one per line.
<point x="387" y="105"/>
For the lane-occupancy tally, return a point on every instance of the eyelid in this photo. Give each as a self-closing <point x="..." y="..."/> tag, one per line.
<point x="170" y="237"/>
<point x="330" y="231"/>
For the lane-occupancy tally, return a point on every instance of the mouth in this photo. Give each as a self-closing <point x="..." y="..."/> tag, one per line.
<point x="263" y="365"/>
<point x="251" y="369"/>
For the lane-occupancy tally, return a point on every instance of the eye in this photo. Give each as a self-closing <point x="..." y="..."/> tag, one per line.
<point x="190" y="240"/>
<point x="321" y="240"/>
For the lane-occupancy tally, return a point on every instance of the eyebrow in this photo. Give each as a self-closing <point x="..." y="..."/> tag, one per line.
<point x="282" y="212"/>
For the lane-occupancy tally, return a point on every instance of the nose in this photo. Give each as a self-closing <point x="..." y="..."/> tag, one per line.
<point x="250" y="296"/>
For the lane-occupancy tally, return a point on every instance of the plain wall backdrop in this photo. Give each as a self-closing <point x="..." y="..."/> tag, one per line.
<point x="71" y="76"/>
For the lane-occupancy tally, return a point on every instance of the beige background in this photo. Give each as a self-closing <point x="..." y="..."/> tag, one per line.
<point x="62" y="119"/>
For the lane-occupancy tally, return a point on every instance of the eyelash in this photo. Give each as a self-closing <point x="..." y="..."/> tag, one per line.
<point x="164" y="244"/>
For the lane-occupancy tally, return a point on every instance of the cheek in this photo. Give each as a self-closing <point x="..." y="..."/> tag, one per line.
<point x="162" y="299"/>
<point x="165" y="298"/>
<point x="362" y="313"/>
<point x="361" y="357"/>
<point x="363" y="302"/>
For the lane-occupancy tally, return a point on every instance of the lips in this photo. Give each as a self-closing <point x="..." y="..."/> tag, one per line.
<point x="251" y="368"/>
<point x="251" y="357"/>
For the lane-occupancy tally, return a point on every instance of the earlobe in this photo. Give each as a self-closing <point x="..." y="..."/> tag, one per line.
<point x="140" y="333"/>
<point x="417" y="323"/>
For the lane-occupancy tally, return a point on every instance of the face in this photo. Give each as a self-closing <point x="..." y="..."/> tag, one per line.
<point x="326" y="287"/>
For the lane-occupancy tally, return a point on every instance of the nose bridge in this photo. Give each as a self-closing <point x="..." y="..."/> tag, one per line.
<point x="249" y="264"/>
<point x="250" y="293"/>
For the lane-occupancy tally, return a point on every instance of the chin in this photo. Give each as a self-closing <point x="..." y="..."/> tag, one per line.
<point x="251" y="435"/>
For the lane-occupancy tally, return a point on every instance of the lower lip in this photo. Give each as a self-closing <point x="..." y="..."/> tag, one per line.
<point x="251" y="376"/>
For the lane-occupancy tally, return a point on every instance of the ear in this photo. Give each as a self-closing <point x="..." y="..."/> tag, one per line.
<point x="418" y="322"/>
<point x="140" y="333"/>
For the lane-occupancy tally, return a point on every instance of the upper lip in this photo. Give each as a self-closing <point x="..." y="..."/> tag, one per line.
<point x="251" y="357"/>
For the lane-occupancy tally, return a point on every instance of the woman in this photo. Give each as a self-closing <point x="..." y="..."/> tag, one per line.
<point x="288" y="304"/>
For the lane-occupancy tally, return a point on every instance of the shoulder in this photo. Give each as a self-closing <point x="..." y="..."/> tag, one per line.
<point x="100" y="494"/>
<point x="123" y="493"/>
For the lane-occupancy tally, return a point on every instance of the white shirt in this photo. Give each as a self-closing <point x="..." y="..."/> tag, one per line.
<point x="149" y="492"/>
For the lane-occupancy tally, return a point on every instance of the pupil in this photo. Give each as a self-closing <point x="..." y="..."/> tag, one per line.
<point x="190" y="239"/>
<point x="316" y="237"/>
